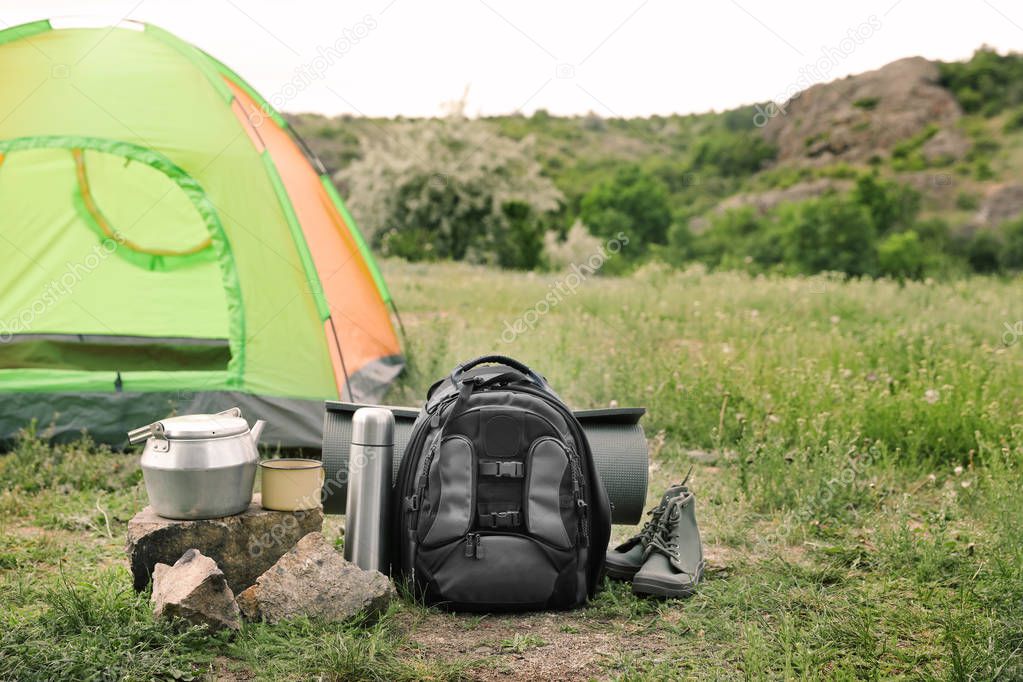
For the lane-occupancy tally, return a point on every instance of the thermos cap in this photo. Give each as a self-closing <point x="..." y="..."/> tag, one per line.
<point x="373" y="426"/>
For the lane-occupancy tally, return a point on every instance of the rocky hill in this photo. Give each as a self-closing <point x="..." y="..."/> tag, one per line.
<point x="862" y="117"/>
<point x="951" y="132"/>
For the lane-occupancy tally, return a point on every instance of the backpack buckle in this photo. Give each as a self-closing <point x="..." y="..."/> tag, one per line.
<point x="502" y="469"/>
<point x="501" y="519"/>
<point x="505" y="519"/>
<point x="510" y="469"/>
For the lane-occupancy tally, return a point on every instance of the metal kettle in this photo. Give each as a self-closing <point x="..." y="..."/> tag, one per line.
<point x="199" y="466"/>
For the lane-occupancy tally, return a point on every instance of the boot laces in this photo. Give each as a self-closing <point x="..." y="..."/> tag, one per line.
<point x="663" y="531"/>
<point x="649" y="528"/>
<point x="652" y="527"/>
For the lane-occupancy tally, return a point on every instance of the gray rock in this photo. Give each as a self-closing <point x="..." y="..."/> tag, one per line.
<point x="244" y="545"/>
<point x="762" y="202"/>
<point x="1001" y="202"/>
<point x="194" y="589"/>
<point x="946" y="146"/>
<point x="314" y="580"/>
<point x="857" y="117"/>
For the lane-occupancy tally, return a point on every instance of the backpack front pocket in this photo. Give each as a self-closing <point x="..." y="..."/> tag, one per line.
<point x="546" y="468"/>
<point x="494" y="570"/>
<point x="448" y="503"/>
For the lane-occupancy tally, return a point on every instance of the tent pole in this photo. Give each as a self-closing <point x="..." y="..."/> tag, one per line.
<point x="344" y="368"/>
<point x="401" y="325"/>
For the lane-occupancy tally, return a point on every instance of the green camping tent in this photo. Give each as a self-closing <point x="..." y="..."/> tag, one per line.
<point x="169" y="246"/>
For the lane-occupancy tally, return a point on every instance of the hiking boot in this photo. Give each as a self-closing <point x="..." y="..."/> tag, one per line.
<point x="622" y="562"/>
<point x="673" y="562"/>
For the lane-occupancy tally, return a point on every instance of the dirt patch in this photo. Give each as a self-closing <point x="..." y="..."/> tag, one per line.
<point x="224" y="669"/>
<point x="536" y="646"/>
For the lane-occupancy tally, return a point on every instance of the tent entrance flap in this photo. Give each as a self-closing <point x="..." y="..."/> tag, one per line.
<point x="114" y="265"/>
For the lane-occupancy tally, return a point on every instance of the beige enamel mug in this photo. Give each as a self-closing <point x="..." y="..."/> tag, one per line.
<point x="291" y="484"/>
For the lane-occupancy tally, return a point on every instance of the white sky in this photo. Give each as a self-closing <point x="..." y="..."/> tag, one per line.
<point x="625" y="58"/>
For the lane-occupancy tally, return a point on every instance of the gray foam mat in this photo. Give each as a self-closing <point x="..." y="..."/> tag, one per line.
<point x="616" y="438"/>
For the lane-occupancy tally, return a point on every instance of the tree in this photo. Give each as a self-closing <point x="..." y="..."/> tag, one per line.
<point x="902" y="255"/>
<point x="631" y="202"/>
<point x="452" y="189"/>
<point x="892" y="206"/>
<point x="984" y="251"/>
<point x="830" y="233"/>
<point x="1012" y="255"/>
<point x="732" y="154"/>
<point x="739" y="237"/>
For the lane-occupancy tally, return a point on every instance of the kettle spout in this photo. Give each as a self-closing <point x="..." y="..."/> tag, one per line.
<point x="256" y="431"/>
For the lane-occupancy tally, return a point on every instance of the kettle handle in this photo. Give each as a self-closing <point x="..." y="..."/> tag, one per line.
<point x="232" y="412"/>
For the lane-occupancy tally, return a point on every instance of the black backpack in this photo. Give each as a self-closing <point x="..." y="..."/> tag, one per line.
<point x="498" y="506"/>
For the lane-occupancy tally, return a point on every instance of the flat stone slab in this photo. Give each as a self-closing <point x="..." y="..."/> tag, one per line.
<point x="244" y="545"/>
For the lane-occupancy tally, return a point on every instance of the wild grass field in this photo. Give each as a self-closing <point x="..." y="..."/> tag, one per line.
<point x="857" y="451"/>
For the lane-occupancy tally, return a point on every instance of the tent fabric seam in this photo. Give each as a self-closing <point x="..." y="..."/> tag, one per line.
<point x="335" y="197"/>
<point x="312" y="277"/>
<point x="27" y="30"/>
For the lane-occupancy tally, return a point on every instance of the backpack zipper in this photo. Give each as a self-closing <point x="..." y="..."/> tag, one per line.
<point x="417" y="498"/>
<point x="582" y="522"/>
<point x="473" y="546"/>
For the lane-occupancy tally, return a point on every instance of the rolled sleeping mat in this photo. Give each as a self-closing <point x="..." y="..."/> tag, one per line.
<point x="615" y="435"/>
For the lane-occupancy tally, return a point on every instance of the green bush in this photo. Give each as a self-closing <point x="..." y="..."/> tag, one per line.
<point x="967" y="202"/>
<point x="1012" y="254"/>
<point x="739" y="238"/>
<point x="520" y="244"/>
<point x="867" y="103"/>
<point x="892" y="206"/>
<point x="453" y="189"/>
<point x="986" y="84"/>
<point x="632" y="202"/>
<point x="732" y="154"/>
<point x="906" y="154"/>
<point x="830" y="233"/>
<point x="1014" y="122"/>
<point x="984" y="251"/>
<point x="902" y="255"/>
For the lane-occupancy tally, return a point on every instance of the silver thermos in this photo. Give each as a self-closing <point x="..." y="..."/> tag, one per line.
<point x="369" y="488"/>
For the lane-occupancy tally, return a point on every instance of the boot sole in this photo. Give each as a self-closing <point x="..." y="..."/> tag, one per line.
<point x="662" y="588"/>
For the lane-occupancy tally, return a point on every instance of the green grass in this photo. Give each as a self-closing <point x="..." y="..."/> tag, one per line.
<point x="857" y="447"/>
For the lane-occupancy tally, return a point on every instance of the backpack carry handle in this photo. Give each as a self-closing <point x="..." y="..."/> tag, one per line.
<point x="457" y="373"/>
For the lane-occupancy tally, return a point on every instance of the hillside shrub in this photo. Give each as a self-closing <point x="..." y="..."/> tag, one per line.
<point x="986" y="84"/>
<point x="732" y="154"/>
<point x="902" y="255"/>
<point x="984" y="252"/>
<point x="452" y="189"/>
<point x="829" y="233"/>
<point x="632" y="202"/>
<point x="1012" y="253"/>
